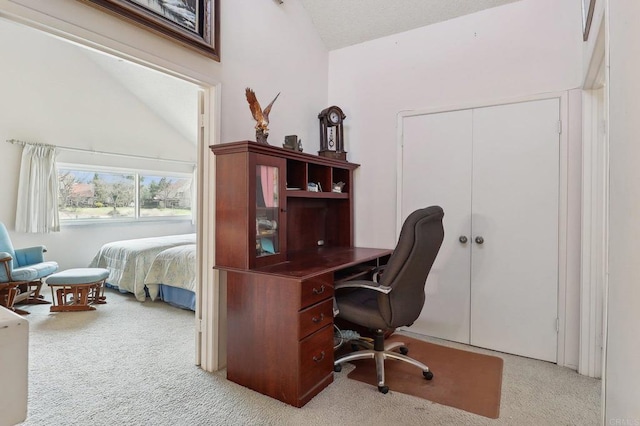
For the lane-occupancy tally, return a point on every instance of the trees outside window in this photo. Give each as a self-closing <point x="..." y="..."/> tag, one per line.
<point x="109" y="195"/>
<point x="165" y="196"/>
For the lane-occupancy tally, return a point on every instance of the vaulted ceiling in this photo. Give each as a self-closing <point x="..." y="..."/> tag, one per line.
<point x="342" y="23"/>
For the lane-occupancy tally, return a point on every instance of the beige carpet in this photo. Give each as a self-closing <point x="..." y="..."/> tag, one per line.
<point x="132" y="363"/>
<point x="462" y="379"/>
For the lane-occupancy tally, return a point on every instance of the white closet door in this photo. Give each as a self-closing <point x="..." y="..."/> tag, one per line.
<point x="514" y="273"/>
<point x="436" y="170"/>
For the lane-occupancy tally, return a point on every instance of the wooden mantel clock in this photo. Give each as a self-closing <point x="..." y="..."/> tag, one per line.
<point x="331" y="133"/>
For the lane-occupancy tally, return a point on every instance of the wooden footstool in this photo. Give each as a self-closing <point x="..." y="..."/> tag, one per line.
<point x="77" y="289"/>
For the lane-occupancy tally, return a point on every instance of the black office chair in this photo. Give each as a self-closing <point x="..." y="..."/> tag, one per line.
<point x="397" y="299"/>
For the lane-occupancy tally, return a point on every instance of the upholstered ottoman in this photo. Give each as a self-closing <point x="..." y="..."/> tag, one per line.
<point x="77" y="289"/>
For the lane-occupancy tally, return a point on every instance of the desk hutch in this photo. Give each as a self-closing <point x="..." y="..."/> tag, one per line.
<point x="282" y="248"/>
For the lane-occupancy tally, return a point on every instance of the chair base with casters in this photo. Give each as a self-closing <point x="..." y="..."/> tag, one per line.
<point x="381" y="352"/>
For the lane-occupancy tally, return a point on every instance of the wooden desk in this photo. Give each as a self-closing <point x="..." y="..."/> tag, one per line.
<point x="280" y="320"/>
<point x="282" y="247"/>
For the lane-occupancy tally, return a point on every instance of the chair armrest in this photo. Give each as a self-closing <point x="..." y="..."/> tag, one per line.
<point x="370" y="285"/>
<point x="5" y="257"/>
<point x="30" y="255"/>
<point x="6" y="268"/>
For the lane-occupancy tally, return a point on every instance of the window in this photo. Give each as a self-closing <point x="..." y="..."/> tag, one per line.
<point x="164" y="196"/>
<point x="108" y="194"/>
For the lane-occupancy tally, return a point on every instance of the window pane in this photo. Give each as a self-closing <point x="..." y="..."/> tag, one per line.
<point x="95" y="195"/>
<point x="165" y="196"/>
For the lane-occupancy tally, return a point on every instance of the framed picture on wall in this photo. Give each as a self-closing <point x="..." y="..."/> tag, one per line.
<point x="192" y="23"/>
<point x="587" y="17"/>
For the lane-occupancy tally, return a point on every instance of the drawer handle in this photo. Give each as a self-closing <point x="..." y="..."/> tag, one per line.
<point x="318" y="291"/>
<point x="316" y="319"/>
<point x="319" y="358"/>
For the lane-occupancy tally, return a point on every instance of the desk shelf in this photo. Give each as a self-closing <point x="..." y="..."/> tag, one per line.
<point x="322" y="195"/>
<point x="359" y="273"/>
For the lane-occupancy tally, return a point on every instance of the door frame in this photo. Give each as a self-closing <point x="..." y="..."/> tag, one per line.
<point x="595" y="212"/>
<point x="564" y="274"/>
<point x="210" y="298"/>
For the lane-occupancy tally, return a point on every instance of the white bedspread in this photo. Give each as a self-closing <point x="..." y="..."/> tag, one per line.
<point x="128" y="261"/>
<point x="175" y="267"/>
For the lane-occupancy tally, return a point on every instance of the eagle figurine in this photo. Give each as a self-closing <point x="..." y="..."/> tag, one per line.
<point x="261" y="116"/>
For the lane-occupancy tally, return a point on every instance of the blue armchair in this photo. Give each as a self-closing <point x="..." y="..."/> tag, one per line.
<point x="22" y="273"/>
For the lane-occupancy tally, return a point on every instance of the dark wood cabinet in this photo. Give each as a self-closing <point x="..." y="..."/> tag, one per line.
<point x="280" y="334"/>
<point x="250" y="209"/>
<point x="264" y="187"/>
<point x="281" y="248"/>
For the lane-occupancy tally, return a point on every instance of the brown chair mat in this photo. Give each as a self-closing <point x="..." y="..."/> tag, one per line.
<point x="465" y="380"/>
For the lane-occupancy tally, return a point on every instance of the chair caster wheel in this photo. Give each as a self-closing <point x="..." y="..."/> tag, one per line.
<point x="427" y="375"/>
<point x="383" y="389"/>
<point x="403" y="350"/>
<point x="337" y="368"/>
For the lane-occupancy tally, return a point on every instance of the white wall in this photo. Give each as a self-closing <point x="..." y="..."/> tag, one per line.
<point x="272" y="48"/>
<point x="268" y="47"/>
<point x="509" y="51"/>
<point x="622" y="369"/>
<point x="506" y="52"/>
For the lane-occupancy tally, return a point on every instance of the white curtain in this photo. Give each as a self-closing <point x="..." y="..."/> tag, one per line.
<point x="37" y="209"/>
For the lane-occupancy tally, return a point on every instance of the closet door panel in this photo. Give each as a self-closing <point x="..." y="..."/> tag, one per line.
<point x="514" y="272"/>
<point x="436" y="169"/>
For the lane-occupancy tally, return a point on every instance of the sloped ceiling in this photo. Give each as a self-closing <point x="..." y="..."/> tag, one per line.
<point x="342" y="23"/>
<point x="172" y="99"/>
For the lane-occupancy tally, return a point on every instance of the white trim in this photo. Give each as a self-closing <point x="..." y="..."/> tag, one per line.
<point x="593" y="231"/>
<point x="210" y="310"/>
<point x="113" y="154"/>
<point x="473" y="105"/>
<point x="399" y="167"/>
<point x="594" y="253"/>
<point x="84" y="167"/>
<point x="563" y="189"/>
<point x="605" y="75"/>
<point x="200" y="224"/>
<point x="563" y="219"/>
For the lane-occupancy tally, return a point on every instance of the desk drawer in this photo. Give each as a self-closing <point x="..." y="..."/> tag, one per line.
<point x="315" y="317"/>
<point x="316" y="289"/>
<point x="316" y="359"/>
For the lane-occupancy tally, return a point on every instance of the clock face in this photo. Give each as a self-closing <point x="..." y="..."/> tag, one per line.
<point x="334" y="117"/>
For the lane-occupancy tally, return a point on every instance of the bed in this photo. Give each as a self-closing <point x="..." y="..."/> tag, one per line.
<point x="129" y="261"/>
<point x="172" y="276"/>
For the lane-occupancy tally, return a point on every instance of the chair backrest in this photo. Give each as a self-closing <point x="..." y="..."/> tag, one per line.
<point x="407" y="270"/>
<point x="5" y="243"/>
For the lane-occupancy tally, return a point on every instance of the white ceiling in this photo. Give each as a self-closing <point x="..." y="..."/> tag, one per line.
<point x="342" y="23"/>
